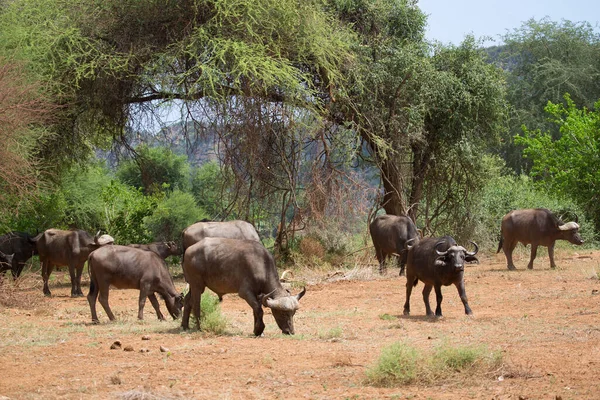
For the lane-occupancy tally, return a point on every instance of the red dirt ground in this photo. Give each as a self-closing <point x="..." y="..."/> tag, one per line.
<point x="545" y="322"/>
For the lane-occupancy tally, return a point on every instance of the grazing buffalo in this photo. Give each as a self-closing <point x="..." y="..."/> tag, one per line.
<point x="229" y="229"/>
<point x="389" y="234"/>
<point x="126" y="267"/>
<point x="538" y="227"/>
<point x="22" y="246"/>
<point x="437" y="262"/>
<point x="71" y="248"/>
<point x="162" y="249"/>
<point x="244" y="267"/>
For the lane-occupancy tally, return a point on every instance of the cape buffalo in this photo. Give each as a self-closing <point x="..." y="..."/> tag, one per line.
<point x="538" y="227"/>
<point x="71" y="248"/>
<point x="389" y="234"/>
<point x="244" y="267"/>
<point x="22" y="246"/>
<point x="126" y="267"/>
<point x="229" y="229"/>
<point x="437" y="262"/>
<point x="162" y="249"/>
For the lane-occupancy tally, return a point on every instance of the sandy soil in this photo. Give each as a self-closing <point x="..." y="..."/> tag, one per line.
<point x="545" y="322"/>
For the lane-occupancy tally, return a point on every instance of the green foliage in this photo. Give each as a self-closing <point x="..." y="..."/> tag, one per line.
<point x="208" y="188"/>
<point x="544" y="60"/>
<point x="101" y="59"/>
<point x="172" y="214"/>
<point x="155" y="169"/>
<point x="398" y="364"/>
<point x="504" y="191"/>
<point x="211" y="319"/>
<point x="125" y="208"/>
<point x="401" y="364"/>
<point x="569" y="166"/>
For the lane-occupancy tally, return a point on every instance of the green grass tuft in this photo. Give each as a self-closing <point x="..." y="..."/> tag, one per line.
<point x="400" y="364"/>
<point x="211" y="319"/>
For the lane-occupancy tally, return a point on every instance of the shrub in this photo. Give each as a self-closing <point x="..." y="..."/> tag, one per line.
<point x="211" y="319"/>
<point x="397" y="365"/>
<point x="400" y="364"/>
<point x="173" y="213"/>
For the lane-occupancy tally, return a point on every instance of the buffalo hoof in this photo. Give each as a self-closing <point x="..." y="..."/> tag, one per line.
<point x="48" y="294"/>
<point x="511" y="267"/>
<point x="76" y="294"/>
<point x="95" y="322"/>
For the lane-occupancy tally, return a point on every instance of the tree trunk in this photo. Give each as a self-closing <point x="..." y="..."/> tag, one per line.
<point x="393" y="202"/>
<point x="421" y="159"/>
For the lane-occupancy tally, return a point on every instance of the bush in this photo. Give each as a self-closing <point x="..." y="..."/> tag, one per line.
<point x="211" y="319"/>
<point x="504" y="192"/>
<point x="400" y="364"/>
<point x="397" y="365"/>
<point x="173" y="213"/>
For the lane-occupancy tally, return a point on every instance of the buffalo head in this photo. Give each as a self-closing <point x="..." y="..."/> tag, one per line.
<point x="174" y="305"/>
<point x="283" y="309"/>
<point x="570" y="232"/>
<point x="455" y="256"/>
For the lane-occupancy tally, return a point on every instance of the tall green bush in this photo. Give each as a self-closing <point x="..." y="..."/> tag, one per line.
<point x="173" y="213"/>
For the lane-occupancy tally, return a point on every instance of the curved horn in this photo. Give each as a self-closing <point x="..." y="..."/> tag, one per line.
<point x="440" y="253"/>
<point x="287" y="303"/>
<point x="408" y="245"/>
<point x="284" y="273"/>
<point x="569" y="226"/>
<point x="265" y="297"/>
<point x="96" y="237"/>
<point x="476" y="249"/>
<point x="302" y="293"/>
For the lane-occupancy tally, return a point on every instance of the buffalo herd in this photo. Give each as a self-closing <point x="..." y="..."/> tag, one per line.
<point x="228" y="257"/>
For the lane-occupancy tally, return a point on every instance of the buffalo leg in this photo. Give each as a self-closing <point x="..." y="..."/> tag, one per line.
<point x="410" y="282"/>
<point x="78" y="274"/>
<point x="463" y="296"/>
<point x="426" y="292"/>
<point x="402" y="263"/>
<point x="533" y="255"/>
<point x="154" y="302"/>
<point x="259" y="325"/>
<point x="75" y="273"/>
<point x="142" y="302"/>
<point x="381" y="258"/>
<point x="551" y="256"/>
<point x="196" y="298"/>
<point x="92" y="298"/>
<point x="47" y="268"/>
<point x="187" y="308"/>
<point x="103" y="299"/>
<point x="438" y="298"/>
<point x="508" y="247"/>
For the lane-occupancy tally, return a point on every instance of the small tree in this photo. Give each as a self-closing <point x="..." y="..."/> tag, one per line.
<point x="570" y="165"/>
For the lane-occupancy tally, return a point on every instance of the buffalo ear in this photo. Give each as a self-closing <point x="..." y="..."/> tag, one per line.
<point x="471" y="259"/>
<point x="440" y="261"/>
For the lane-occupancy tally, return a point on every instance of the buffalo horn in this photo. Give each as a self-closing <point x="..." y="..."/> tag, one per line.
<point x="302" y="293"/>
<point x="569" y="226"/>
<point x="408" y="244"/>
<point x="265" y="297"/>
<point x="287" y="303"/>
<point x="96" y="237"/>
<point x="440" y="253"/>
<point x="476" y="249"/>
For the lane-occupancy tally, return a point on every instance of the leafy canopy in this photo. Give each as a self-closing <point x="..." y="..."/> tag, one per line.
<point x="570" y="165"/>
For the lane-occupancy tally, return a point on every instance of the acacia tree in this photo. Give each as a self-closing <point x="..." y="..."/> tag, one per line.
<point x="22" y="111"/>
<point x="414" y="102"/>
<point x="544" y="60"/>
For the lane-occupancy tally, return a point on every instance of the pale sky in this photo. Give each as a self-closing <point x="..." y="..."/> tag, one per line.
<point x="449" y="21"/>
